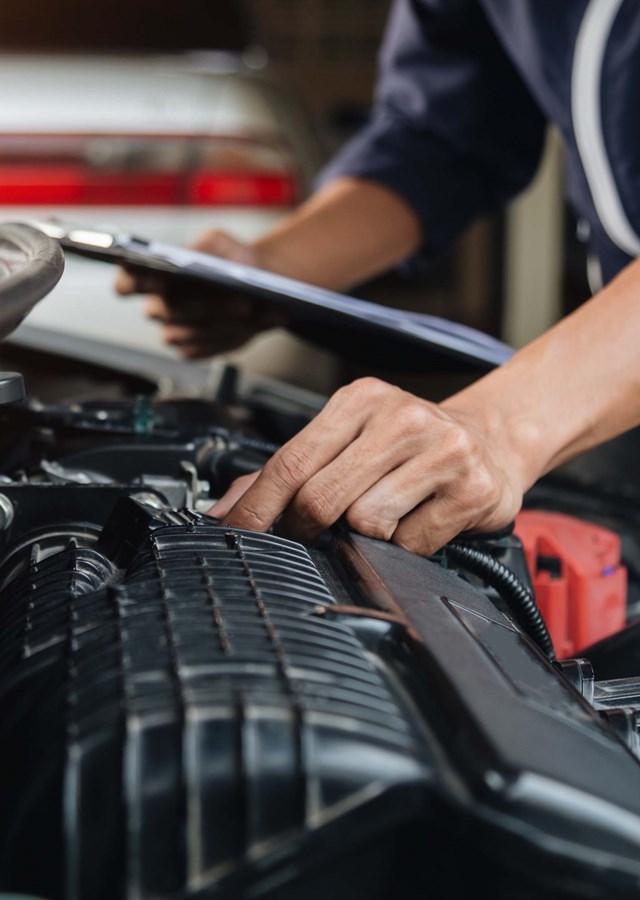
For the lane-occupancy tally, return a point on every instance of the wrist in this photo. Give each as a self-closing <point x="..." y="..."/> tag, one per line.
<point x="515" y="440"/>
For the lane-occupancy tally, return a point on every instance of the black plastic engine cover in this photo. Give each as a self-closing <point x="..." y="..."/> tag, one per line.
<point x="193" y="711"/>
<point x="189" y="721"/>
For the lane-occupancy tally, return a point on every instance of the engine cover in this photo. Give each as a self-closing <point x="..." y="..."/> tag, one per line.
<point x="194" y="711"/>
<point x="200" y="716"/>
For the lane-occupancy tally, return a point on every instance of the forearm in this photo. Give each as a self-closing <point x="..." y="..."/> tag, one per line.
<point x="346" y="233"/>
<point x="574" y="387"/>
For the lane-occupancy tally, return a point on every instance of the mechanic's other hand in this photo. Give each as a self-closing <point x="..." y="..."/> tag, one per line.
<point x="202" y="324"/>
<point x="398" y="467"/>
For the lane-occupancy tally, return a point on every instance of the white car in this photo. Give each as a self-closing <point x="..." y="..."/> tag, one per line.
<point x="163" y="127"/>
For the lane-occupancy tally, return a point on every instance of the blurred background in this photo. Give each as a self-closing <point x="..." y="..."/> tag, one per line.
<point x="166" y="119"/>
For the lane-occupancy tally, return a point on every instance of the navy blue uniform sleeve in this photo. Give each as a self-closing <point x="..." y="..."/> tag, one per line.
<point x="454" y="131"/>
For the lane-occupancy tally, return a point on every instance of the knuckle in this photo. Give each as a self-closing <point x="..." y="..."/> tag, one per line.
<point x="459" y="445"/>
<point x="124" y="283"/>
<point x="481" y="487"/>
<point x="360" y="519"/>
<point x="316" y="506"/>
<point x="155" y="308"/>
<point x="367" y="388"/>
<point x="370" y="384"/>
<point x="290" y="466"/>
<point x="362" y="394"/>
<point x="412" y="418"/>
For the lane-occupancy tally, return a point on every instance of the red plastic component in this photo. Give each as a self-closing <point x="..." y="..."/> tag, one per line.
<point x="579" y="584"/>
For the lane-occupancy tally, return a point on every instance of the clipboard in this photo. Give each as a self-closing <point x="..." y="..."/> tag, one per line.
<point x="360" y="329"/>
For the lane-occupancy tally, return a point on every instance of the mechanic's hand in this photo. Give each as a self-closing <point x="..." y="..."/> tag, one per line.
<point x="400" y="469"/>
<point x="204" y="323"/>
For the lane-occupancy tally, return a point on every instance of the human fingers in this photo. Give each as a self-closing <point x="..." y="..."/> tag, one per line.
<point x="447" y="459"/>
<point x="124" y="283"/>
<point x="423" y="504"/>
<point x="407" y="451"/>
<point x="379" y="457"/>
<point x="156" y="308"/>
<point x="318" y="444"/>
<point x="455" y="483"/>
<point x="180" y="331"/>
<point x="199" y="309"/>
<point x="132" y="281"/>
<point x="194" y="342"/>
<point x="439" y="474"/>
<point x="238" y="487"/>
<point x="479" y="502"/>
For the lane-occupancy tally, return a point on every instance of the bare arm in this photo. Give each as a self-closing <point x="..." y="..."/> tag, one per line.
<point x="575" y="387"/>
<point x="416" y="473"/>
<point x="348" y="232"/>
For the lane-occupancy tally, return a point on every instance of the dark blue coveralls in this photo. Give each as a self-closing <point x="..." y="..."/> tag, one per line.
<point x="465" y="90"/>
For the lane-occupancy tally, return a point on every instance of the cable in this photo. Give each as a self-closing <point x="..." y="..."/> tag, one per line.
<point x="257" y="444"/>
<point x="516" y="595"/>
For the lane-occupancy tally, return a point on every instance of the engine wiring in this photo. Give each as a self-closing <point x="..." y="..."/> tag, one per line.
<point x="518" y="597"/>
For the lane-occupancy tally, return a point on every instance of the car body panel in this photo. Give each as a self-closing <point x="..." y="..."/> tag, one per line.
<point x="203" y="94"/>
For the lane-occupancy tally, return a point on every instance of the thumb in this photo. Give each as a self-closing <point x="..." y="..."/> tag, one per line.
<point x="219" y="243"/>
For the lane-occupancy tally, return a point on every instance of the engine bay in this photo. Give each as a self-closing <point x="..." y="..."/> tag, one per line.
<point x="194" y="711"/>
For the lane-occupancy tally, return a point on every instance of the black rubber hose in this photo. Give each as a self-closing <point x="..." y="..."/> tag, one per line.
<point x="257" y="444"/>
<point x="516" y="595"/>
<point x="245" y="441"/>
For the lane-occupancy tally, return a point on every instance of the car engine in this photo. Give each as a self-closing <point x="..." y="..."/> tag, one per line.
<point x="194" y="711"/>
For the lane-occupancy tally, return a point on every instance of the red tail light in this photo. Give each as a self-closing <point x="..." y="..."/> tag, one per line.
<point x="44" y="185"/>
<point x="142" y="172"/>
<point x="243" y="188"/>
